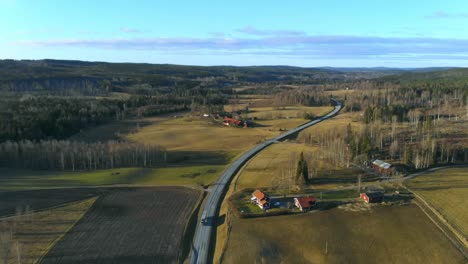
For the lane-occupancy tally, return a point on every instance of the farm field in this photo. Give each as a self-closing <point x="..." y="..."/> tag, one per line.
<point x="271" y="119"/>
<point x="38" y="200"/>
<point x="129" y="225"/>
<point x="14" y="179"/>
<point x="287" y="111"/>
<point x="35" y="233"/>
<point x="337" y="123"/>
<point x="447" y="191"/>
<point x="398" y="234"/>
<point x="199" y="135"/>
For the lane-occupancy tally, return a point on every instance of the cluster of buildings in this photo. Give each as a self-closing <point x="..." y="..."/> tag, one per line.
<point x="304" y="204"/>
<point x="263" y="201"/>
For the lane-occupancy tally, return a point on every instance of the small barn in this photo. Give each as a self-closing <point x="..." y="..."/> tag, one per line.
<point x="261" y="199"/>
<point x="382" y="167"/>
<point x="372" y="197"/>
<point x="305" y="203"/>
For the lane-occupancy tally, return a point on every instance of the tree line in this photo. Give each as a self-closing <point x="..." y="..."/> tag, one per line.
<point x="71" y="155"/>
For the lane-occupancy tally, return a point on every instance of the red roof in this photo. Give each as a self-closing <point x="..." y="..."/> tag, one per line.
<point x="259" y="195"/>
<point x="306" y="201"/>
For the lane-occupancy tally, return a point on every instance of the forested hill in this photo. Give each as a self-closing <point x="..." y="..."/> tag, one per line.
<point x="459" y="74"/>
<point x="93" y="78"/>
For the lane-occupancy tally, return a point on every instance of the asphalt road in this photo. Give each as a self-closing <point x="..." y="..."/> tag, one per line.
<point x="201" y="240"/>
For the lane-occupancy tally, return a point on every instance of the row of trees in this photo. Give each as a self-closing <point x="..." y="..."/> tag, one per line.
<point x="70" y="155"/>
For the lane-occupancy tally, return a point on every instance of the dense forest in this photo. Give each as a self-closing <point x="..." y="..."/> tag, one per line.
<point x="50" y="117"/>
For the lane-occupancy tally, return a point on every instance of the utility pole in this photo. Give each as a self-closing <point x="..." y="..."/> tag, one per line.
<point x="359" y="183"/>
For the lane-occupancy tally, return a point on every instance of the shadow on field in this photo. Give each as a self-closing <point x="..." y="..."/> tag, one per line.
<point x="190" y="158"/>
<point x="119" y="259"/>
<point x="435" y="188"/>
<point x="220" y="220"/>
<point x="116" y="130"/>
<point x="259" y="125"/>
<point x="37" y="200"/>
<point x="341" y="179"/>
<point x="189" y="232"/>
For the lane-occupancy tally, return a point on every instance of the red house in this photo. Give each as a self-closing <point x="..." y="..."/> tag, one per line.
<point x="261" y="199"/>
<point x="372" y="197"/>
<point x="305" y="203"/>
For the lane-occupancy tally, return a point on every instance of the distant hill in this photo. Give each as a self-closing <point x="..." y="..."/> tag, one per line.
<point x="436" y="74"/>
<point x="94" y="77"/>
<point x="66" y="77"/>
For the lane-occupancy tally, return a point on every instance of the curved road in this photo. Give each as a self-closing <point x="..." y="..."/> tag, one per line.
<point x="201" y="241"/>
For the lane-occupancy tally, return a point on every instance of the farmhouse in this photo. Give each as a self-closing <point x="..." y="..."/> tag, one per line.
<point x="382" y="167"/>
<point x="372" y="197"/>
<point x="234" y="122"/>
<point x="261" y="199"/>
<point x="305" y="203"/>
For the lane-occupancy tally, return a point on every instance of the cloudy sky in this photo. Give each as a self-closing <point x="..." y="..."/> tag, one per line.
<point x="358" y="33"/>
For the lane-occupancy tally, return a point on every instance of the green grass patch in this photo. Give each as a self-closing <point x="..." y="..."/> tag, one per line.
<point x="343" y="194"/>
<point x="14" y="179"/>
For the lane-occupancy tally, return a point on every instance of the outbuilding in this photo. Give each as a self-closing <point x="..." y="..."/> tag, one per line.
<point x="383" y="167"/>
<point x="372" y="197"/>
<point x="305" y="203"/>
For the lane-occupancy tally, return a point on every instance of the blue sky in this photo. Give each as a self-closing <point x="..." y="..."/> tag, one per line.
<point x="358" y="33"/>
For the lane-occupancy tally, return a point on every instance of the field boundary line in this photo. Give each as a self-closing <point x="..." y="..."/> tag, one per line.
<point x="104" y="186"/>
<point x="455" y="237"/>
<point x="47" y="209"/>
<point x="51" y="245"/>
<point x="195" y="209"/>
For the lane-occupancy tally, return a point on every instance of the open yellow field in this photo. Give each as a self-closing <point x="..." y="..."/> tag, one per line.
<point x="399" y="234"/>
<point x="195" y="134"/>
<point x="285" y="112"/>
<point x="37" y="232"/>
<point x="185" y="134"/>
<point x="447" y="191"/>
<point x="337" y="123"/>
<point x="271" y="167"/>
